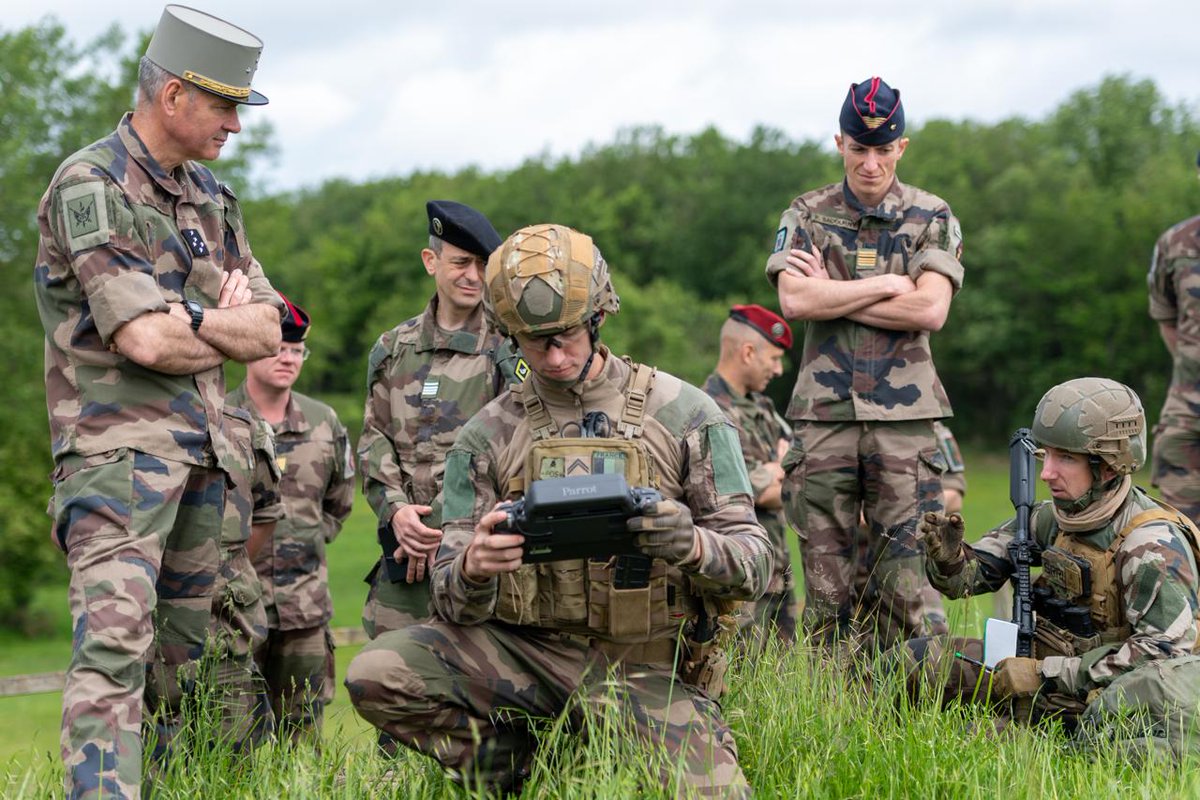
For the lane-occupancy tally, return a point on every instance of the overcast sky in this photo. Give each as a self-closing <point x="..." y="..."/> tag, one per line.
<point x="369" y="89"/>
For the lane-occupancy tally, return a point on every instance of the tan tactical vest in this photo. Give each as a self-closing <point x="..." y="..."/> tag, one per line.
<point x="578" y="595"/>
<point x="1062" y="571"/>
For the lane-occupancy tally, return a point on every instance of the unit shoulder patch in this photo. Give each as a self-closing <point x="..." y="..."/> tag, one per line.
<point x="85" y="215"/>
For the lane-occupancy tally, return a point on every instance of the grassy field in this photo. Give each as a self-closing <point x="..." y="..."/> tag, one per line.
<point x="804" y="730"/>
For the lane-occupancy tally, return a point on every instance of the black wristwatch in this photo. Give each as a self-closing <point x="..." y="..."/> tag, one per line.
<point x="197" y="312"/>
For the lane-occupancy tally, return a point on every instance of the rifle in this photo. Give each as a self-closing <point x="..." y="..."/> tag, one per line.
<point x="1020" y="488"/>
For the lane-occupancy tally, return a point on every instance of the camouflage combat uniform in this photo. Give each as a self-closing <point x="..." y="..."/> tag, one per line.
<point x="862" y="411"/>
<point x="317" y="491"/>
<point x="954" y="478"/>
<point x="531" y="640"/>
<point x="423" y="384"/>
<point x="759" y="429"/>
<point x="140" y="459"/>
<point x="239" y="619"/>
<point x="1147" y="615"/>
<point x="1174" y="282"/>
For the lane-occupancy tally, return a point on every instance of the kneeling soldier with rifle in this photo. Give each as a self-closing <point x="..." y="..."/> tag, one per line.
<point x="522" y="640"/>
<point x="1117" y="595"/>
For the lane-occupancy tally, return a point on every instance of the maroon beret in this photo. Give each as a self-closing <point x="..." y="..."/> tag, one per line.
<point x="768" y="323"/>
<point x="295" y="322"/>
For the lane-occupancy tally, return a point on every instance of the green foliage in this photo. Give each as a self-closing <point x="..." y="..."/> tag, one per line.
<point x="1059" y="217"/>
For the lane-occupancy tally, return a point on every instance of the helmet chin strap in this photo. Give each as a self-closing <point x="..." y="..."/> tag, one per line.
<point x="593" y="326"/>
<point x="1095" y="491"/>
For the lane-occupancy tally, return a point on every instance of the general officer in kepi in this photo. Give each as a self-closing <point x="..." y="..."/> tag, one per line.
<point x="1115" y="603"/>
<point x="638" y="636"/>
<point x="146" y="286"/>
<point x="870" y="265"/>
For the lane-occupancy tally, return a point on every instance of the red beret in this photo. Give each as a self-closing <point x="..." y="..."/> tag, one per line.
<point x="295" y="322"/>
<point x="768" y="323"/>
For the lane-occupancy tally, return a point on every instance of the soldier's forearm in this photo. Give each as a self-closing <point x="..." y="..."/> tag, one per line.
<point x="243" y="333"/>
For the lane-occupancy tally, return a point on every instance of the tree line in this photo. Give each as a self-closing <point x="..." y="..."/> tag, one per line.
<point x="1059" y="217"/>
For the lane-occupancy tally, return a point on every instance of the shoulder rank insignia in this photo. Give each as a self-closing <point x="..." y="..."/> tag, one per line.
<point x="195" y="242"/>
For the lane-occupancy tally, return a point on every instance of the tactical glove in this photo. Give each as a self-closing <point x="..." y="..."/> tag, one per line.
<point x="666" y="532"/>
<point x="942" y="536"/>
<point x="1016" y="676"/>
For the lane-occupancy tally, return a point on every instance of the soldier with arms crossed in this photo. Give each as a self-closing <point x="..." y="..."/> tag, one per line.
<point x="517" y="643"/>
<point x="870" y="265"/>
<point x="146" y="285"/>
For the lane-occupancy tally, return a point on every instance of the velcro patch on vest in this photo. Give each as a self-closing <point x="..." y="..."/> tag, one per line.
<point x="578" y="466"/>
<point x="195" y="242"/>
<point x="608" y="462"/>
<point x="552" y="467"/>
<point x="521" y="370"/>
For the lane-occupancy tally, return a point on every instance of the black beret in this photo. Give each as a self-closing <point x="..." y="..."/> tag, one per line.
<point x="872" y="113"/>
<point x="295" y="322"/>
<point x="462" y="226"/>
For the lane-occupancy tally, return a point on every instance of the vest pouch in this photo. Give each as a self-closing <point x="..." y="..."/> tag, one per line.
<point x="563" y="590"/>
<point x="567" y="457"/>
<point x="1054" y="640"/>
<point x="1070" y="576"/>
<point x="625" y="614"/>
<point x="517" y="603"/>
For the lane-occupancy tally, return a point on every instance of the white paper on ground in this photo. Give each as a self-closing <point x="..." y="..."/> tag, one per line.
<point x="999" y="641"/>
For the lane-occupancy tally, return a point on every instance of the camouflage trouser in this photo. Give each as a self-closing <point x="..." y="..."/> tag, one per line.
<point x="299" y="668"/>
<point x="467" y="695"/>
<point x="141" y="535"/>
<point x="237" y="629"/>
<point x="1176" y="465"/>
<point x="889" y="473"/>
<point x="392" y="606"/>
<point x="930" y="664"/>
<point x="1150" y="713"/>
<point x="865" y="596"/>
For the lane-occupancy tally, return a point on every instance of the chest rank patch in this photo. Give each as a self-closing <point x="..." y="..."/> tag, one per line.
<point x="85" y="216"/>
<point x="521" y="370"/>
<point x="195" y="242"/>
<point x="867" y="257"/>
<point x="429" y="388"/>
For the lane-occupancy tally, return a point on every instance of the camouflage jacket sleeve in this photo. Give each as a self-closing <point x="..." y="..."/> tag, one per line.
<point x="382" y="474"/>
<point x="1157" y="577"/>
<point x="339" y="493"/>
<point x="939" y="247"/>
<point x="1164" y="305"/>
<point x="114" y="269"/>
<point x="468" y="492"/>
<point x="985" y="566"/>
<point x="735" y="555"/>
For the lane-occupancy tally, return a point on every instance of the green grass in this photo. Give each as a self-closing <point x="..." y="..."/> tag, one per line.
<point x="803" y="728"/>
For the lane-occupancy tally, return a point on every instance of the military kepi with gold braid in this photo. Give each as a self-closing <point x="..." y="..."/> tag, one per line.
<point x="872" y="114"/>
<point x="208" y="52"/>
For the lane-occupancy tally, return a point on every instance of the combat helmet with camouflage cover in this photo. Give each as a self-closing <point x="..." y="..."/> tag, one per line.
<point x="1097" y="416"/>
<point x="545" y="279"/>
